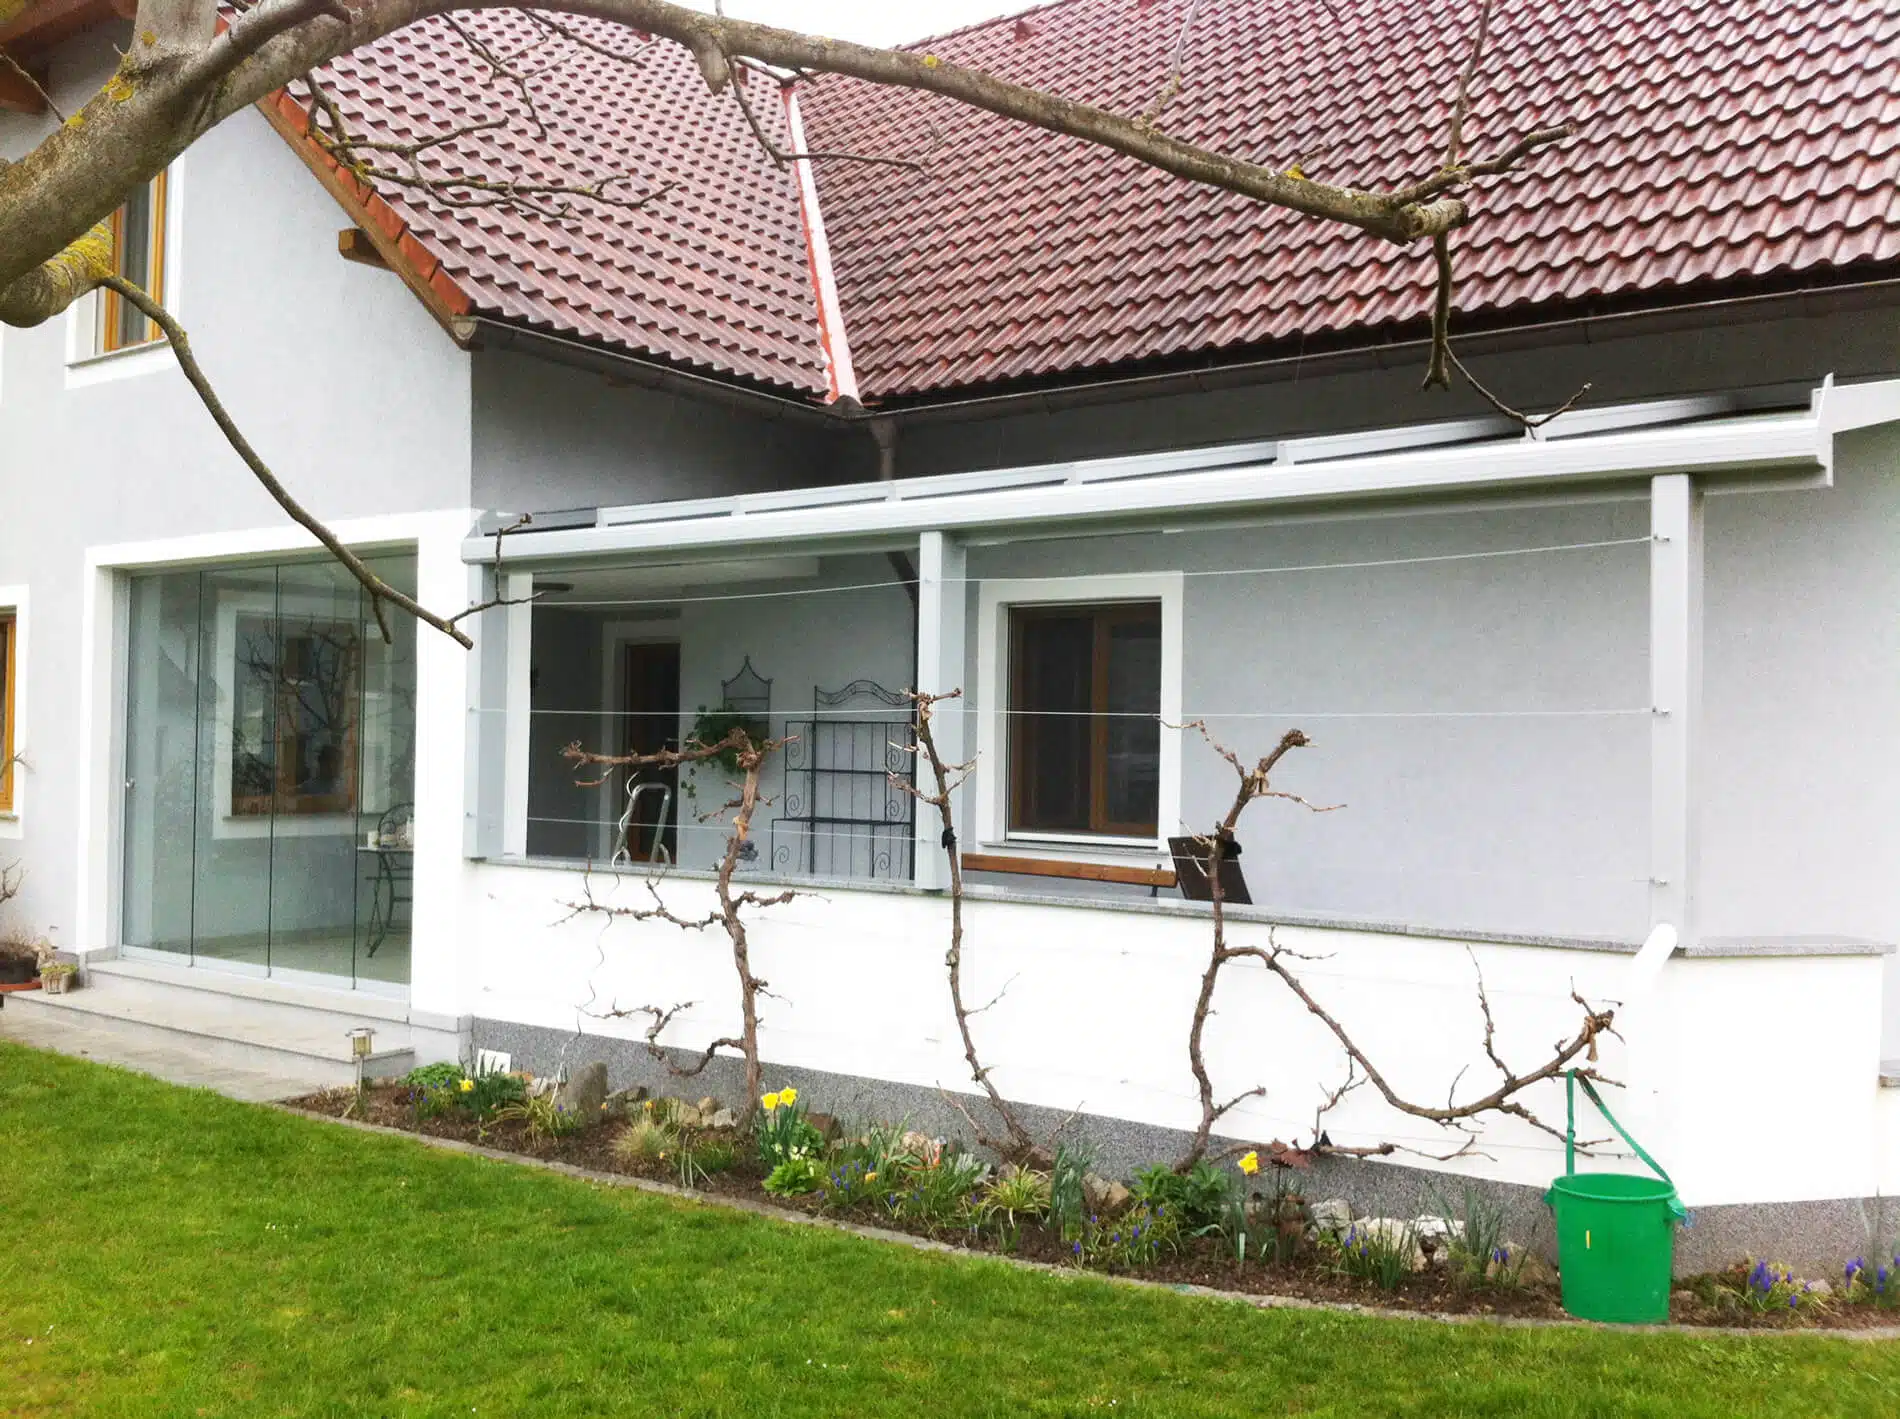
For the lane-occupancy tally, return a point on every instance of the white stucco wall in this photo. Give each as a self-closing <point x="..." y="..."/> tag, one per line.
<point x="337" y="374"/>
<point x="1098" y="1006"/>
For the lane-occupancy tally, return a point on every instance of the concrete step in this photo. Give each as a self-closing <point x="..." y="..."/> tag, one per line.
<point x="372" y="1004"/>
<point x="296" y="1032"/>
<point x="1890" y="1073"/>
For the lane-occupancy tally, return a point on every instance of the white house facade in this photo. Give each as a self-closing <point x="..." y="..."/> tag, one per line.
<point x="1636" y="668"/>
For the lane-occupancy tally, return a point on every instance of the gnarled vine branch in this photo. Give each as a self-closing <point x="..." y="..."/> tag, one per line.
<point x="751" y="756"/>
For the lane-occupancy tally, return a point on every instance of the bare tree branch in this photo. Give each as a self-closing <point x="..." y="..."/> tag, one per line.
<point x="20" y="72"/>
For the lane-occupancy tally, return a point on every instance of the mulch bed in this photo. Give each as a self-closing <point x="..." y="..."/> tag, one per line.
<point x="1204" y="1262"/>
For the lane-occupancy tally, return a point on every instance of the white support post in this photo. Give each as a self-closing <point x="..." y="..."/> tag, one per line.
<point x="438" y="962"/>
<point x="942" y="599"/>
<point x="1675" y="688"/>
<point x="517" y="685"/>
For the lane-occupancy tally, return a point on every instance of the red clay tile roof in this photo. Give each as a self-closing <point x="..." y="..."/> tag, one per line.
<point x="711" y="275"/>
<point x="1724" y="141"/>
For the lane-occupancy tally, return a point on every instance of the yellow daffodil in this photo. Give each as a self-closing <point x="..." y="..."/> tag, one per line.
<point x="1250" y="1163"/>
<point x="468" y="1086"/>
<point x="870" y="1177"/>
<point x="770" y="1101"/>
<point x="788" y="1095"/>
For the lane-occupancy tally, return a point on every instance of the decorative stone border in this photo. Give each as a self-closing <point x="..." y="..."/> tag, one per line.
<point x="916" y="1243"/>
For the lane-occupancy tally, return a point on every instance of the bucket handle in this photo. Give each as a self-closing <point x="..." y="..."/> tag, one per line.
<point x="1571" y="1080"/>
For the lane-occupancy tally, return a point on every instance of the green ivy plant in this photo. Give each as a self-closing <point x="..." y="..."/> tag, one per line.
<point x="712" y="725"/>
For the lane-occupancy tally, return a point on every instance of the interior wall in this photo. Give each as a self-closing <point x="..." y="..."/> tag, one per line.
<point x="852" y="621"/>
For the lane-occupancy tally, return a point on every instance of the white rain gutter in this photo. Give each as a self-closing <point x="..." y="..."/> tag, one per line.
<point x="1771" y="450"/>
<point x="840" y="378"/>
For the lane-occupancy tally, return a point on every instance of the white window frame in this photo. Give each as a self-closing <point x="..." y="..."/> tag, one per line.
<point x="86" y="365"/>
<point x="13" y="601"/>
<point x="995" y="598"/>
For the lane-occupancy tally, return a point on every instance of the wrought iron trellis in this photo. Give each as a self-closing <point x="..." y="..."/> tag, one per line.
<point x="843" y="816"/>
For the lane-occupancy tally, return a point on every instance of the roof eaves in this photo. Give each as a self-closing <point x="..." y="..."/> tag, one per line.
<point x="420" y="268"/>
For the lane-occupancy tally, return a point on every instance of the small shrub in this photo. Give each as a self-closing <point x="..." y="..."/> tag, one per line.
<point x="1013" y="1195"/>
<point x="1198" y="1197"/>
<point x="783" y="1133"/>
<point x="1068" y="1195"/>
<point x="486" y="1095"/>
<point x="1381" y="1255"/>
<point x="644" y="1143"/>
<point x="795" y="1177"/>
<point x="867" y="1167"/>
<point x="435" y="1076"/>
<point x="944" y="1194"/>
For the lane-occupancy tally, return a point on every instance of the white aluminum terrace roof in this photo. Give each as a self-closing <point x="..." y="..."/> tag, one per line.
<point x="1743" y="435"/>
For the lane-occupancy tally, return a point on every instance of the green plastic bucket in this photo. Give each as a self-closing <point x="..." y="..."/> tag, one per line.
<point x="1616" y="1233"/>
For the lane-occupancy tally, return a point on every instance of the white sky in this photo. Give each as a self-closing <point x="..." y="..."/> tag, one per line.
<point x="869" y="21"/>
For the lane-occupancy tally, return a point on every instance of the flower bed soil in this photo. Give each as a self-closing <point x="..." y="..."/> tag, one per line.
<point x="1201" y="1261"/>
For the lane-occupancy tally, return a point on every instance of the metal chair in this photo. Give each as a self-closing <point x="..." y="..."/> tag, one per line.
<point x="393" y="883"/>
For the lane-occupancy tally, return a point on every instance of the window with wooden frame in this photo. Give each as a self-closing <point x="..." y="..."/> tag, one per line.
<point x="1084" y="731"/>
<point x="295" y="706"/>
<point x="138" y="254"/>
<point x="9" y="677"/>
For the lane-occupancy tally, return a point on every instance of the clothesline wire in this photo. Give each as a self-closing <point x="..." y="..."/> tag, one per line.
<point x="1361" y="565"/>
<point x="898" y="717"/>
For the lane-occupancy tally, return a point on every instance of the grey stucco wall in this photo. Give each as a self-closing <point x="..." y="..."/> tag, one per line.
<point x="1439" y="698"/>
<point x="335" y="371"/>
<point x="1800" y="833"/>
<point x="1647" y="358"/>
<point x="549" y="436"/>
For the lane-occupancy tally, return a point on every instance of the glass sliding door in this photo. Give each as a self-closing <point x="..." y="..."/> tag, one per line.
<point x="161" y="758"/>
<point x="384" y="836"/>
<point x="270" y="747"/>
<point x="232" y="845"/>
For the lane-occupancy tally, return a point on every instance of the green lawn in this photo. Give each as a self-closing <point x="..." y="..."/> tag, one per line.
<point x="210" y="1258"/>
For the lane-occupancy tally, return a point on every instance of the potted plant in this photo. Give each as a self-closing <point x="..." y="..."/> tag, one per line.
<point x="58" y="977"/>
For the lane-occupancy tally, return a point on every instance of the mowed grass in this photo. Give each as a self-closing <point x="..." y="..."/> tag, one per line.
<point x="168" y="1252"/>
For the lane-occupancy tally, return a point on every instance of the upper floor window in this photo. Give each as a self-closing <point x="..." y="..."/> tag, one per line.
<point x="9" y="676"/>
<point x="1084" y="733"/>
<point x="138" y="254"/>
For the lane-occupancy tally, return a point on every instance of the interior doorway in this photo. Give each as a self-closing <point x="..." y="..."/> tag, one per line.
<point x="650" y="723"/>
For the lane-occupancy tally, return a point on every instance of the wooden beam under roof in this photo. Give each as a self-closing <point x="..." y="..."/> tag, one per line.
<point x="46" y="24"/>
